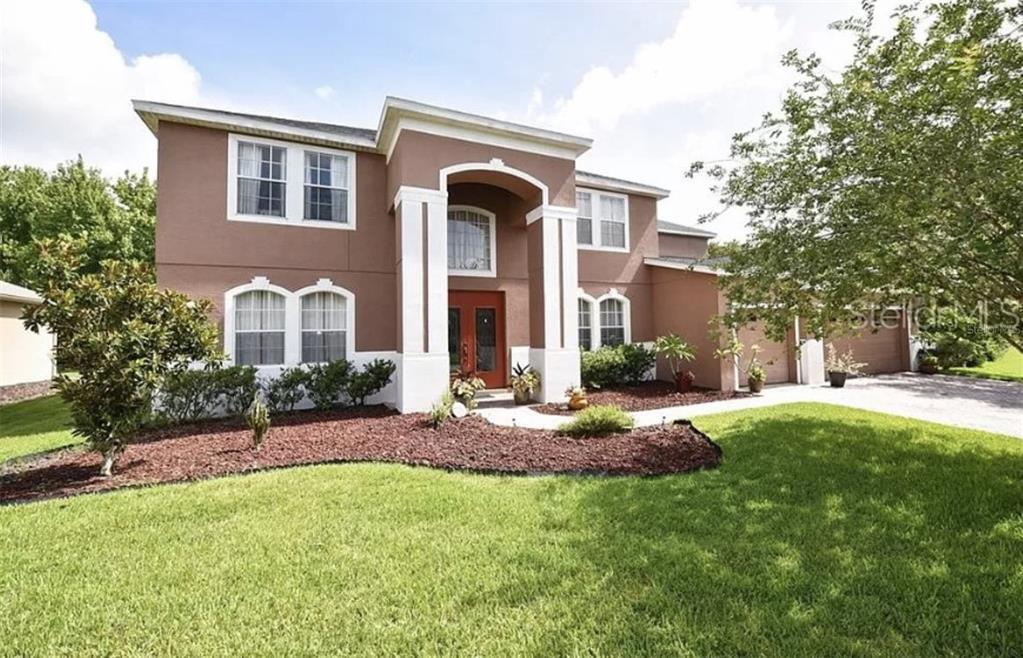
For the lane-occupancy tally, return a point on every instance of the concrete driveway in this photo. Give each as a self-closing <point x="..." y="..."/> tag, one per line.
<point x="980" y="404"/>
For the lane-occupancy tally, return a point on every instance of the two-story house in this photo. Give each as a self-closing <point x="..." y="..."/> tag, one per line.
<point x="441" y="240"/>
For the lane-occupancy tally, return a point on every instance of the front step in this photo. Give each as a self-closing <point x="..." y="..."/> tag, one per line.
<point x="495" y="397"/>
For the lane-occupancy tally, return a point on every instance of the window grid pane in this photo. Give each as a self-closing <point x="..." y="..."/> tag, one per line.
<point x="326" y="187"/>
<point x="469" y="246"/>
<point x="262" y="170"/>
<point x="612" y="322"/>
<point x="324" y="327"/>
<point x="585" y="328"/>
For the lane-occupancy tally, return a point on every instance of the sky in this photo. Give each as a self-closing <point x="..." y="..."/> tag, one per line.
<point x="655" y="85"/>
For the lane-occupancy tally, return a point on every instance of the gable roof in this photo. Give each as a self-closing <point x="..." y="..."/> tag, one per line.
<point x="671" y="228"/>
<point x="12" y="293"/>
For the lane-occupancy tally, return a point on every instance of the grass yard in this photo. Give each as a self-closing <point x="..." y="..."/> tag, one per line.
<point x="1007" y="367"/>
<point x="34" y="426"/>
<point x="827" y="531"/>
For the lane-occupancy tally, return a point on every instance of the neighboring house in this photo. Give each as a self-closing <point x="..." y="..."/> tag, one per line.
<point x="440" y="240"/>
<point x="25" y="356"/>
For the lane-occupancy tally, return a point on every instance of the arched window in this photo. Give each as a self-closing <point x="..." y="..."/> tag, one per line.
<point x="585" y="324"/>
<point x="471" y="236"/>
<point x="259" y="327"/>
<point x="324" y="327"/>
<point x="612" y="322"/>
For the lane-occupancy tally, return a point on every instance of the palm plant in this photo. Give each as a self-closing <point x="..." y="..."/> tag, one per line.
<point x="676" y="351"/>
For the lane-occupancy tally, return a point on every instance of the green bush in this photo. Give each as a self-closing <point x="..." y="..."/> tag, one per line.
<point x="236" y="386"/>
<point x="440" y="412"/>
<point x="374" y="376"/>
<point x="187" y="396"/>
<point x="328" y="383"/>
<point x="614" y="366"/>
<point x="598" y="420"/>
<point x="957" y="338"/>
<point x="287" y="389"/>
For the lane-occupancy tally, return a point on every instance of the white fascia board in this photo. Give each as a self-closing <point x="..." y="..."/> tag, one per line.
<point x="400" y="114"/>
<point x="152" y="113"/>
<point x="671" y="265"/>
<point x="706" y="235"/>
<point x="588" y="180"/>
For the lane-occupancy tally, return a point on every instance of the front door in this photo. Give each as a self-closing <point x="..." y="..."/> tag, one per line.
<point x="476" y="335"/>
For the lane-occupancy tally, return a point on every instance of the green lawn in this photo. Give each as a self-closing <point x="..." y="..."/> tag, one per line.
<point x="1007" y="367"/>
<point x="827" y="531"/>
<point x="34" y="426"/>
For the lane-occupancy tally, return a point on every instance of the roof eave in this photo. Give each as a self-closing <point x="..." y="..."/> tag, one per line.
<point x="671" y="265"/>
<point x="586" y="179"/>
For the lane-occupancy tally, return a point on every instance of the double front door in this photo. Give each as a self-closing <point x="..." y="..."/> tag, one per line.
<point x="476" y="342"/>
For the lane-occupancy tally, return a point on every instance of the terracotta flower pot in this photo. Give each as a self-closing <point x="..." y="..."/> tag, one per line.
<point x="683" y="382"/>
<point x="755" y="385"/>
<point x="837" y="379"/>
<point x="928" y="368"/>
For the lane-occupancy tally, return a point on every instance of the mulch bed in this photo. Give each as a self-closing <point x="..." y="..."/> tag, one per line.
<point x="640" y="397"/>
<point x="17" y="392"/>
<point x="373" y="434"/>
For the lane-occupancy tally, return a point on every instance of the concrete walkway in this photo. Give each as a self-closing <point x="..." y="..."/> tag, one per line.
<point x="980" y="404"/>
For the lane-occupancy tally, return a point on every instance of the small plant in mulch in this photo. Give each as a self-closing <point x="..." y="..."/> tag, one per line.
<point x="464" y="388"/>
<point x="598" y="420"/>
<point x="258" y="419"/>
<point x="676" y="351"/>
<point x="440" y="412"/>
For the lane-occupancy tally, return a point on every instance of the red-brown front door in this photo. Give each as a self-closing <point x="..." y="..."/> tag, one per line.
<point x="476" y="335"/>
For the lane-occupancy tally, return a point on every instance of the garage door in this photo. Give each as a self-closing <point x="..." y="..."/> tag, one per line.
<point x="775" y="356"/>
<point x="883" y="349"/>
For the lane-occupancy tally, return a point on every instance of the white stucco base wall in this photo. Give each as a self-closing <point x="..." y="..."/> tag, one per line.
<point x="558" y="368"/>
<point x="421" y="380"/>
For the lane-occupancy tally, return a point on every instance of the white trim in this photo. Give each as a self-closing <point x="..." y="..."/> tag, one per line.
<point x="614" y="293"/>
<point x="412" y="194"/>
<point x="551" y="282"/>
<point x="672" y="265"/>
<point x="689" y="233"/>
<point x="399" y="114"/>
<point x="569" y="281"/>
<point x="555" y="212"/>
<point x="260" y="283"/>
<point x="491" y="272"/>
<point x="437" y="276"/>
<point x="294" y="184"/>
<point x="595" y="220"/>
<point x="326" y="285"/>
<point x="410" y="213"/>
<point x="617" y="185"/>
<point x="498" y="165"/>
<point x="594" y="318"/>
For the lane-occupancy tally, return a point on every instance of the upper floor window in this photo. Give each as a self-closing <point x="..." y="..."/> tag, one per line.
<point x="612" y="322"/>
<point x="326" y="187"/>
<point x="276" y="182"/>
<point x="603" y="220"/>
<point x="471" y="241"/>
<point x="262" y="172"/>
<point x="259" y="328"/>
<point x="324" y="330"/>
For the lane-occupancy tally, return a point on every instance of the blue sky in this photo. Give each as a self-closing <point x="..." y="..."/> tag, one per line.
<point x="655" y="85"/>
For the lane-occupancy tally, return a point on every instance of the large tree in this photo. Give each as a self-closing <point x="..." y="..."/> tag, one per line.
<point x="113" y="220"/>
<point x="899" y="176"/>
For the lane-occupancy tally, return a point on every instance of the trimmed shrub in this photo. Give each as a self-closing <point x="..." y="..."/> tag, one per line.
<point x="371" y="379"/>
<point x="328" y="382"/>
<point x="187" y="396"/>
<point x="598" y="420"/>
<point x="287" y="389"/>
<point x="236" y="386"/>
<point x="614" y="366"/>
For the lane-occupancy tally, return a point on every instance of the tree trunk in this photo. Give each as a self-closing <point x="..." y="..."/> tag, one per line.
<point x="108" y="463"/>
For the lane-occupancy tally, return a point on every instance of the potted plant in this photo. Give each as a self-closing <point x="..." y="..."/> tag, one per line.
<point x="927" y="362"/>
<point x="675" y="351"/>
<point x="576" y="398"/>
<point x="524" y="381"/>
<point x="841" y="366"/>
<point x="755" y="374"/>
<point x="464" y="387"/>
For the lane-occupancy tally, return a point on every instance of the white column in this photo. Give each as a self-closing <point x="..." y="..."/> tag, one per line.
<point x="811" y="362"/>
<point x="422" y="374"/>
<point x="558" y="360"/>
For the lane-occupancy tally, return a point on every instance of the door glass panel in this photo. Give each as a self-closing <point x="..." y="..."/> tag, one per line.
<point x="486" y="339"/>
<point x="454" y="339"/>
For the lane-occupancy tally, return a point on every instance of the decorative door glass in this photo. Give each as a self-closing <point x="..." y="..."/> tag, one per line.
<point x="486" y="339"/>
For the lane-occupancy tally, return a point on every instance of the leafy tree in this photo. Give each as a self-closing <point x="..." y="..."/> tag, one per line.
<point x="110" y="220"/>
<point x="900" y="175"/>
<point x="121" y="334"/>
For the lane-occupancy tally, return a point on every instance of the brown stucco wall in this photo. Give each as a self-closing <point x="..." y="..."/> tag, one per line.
<point x="201" y="253"/>
<point x="418" y="158"/>
<point x="602" y="270"/>
<point x="682" y="245"/>
<point x="683" y="303"/>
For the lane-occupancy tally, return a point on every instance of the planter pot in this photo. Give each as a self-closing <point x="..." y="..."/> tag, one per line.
<point x="837" y="379"/>
<point x="683" y="384"/>
<point x="755" y="385"/>
<point x="928" y="368"/>
<point x="521" y="397"/>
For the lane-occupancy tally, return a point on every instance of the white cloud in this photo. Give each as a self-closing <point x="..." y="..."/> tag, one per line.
<point x="681" y="99"/>
<point x="325" y="92"/>
<point x="67" y="89"/>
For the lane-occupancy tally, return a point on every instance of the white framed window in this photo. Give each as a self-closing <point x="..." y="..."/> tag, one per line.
<point x="605" y="320"/>
<point x="267" y="325"/>
<point x="326" y="187"/>
<point x="603" y="220"/>
<point x="324" y="327"/>
<point x="472" y="241"/>
<point x="290" y="184"/>
<point x="585" y="324"/>
<point x="259" y="328"/>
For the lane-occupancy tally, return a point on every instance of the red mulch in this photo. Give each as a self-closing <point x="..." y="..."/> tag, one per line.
<point x="646" y="395"/>
<point x="17" y="392"/>
<point x="373" y="434"/>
